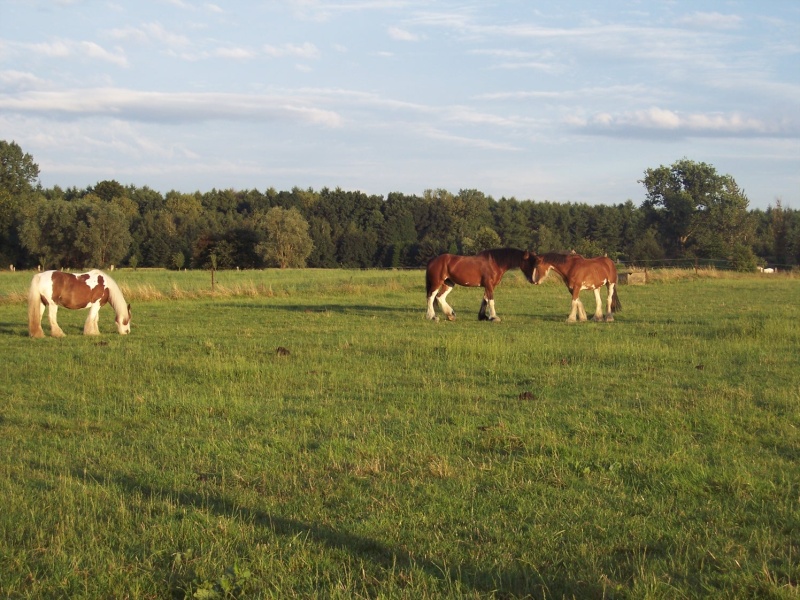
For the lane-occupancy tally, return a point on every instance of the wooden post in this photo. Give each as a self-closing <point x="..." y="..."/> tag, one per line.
<point x="213" y="268"/>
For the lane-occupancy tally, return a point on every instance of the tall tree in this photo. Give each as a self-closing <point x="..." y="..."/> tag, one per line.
<point x="18" y="174"/>
<point x="104" y="234"/>
<point x="694" y="208"/>
<point x="288" y="243"/>
<point x="48" y="232"/>
<point x="109" y="189"/>
<point x="779" y="233"/>
<point x="323" y="252"/>
<point x="510" y="223"/>
<point x="485" y="239"/>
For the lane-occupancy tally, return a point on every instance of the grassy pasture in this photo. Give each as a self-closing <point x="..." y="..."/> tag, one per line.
<point x="307" y="433"/>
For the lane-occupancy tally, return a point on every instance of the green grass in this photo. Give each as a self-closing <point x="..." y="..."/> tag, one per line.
<point x="382" y="455"/>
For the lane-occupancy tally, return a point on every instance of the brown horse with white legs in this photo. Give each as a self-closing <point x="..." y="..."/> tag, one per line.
<point x="485" y="269"/>
<point x="580" y="274"/>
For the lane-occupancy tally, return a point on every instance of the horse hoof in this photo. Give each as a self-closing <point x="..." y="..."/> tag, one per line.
<point x="495" y="319"/>
<point x="451" y="317"/>
<point x="609" y="319"/>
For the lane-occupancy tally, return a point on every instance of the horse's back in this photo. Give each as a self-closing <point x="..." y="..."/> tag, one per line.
<point x="598" y="269"/>
<point x="606" y="267"/>
<point x="456" y="268"/>
<point x="603" y="263"/>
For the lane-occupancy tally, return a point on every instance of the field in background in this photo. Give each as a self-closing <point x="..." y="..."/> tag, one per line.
<point x="308" y="433"/>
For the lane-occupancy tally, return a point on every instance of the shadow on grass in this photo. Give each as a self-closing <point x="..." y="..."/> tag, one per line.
<point x="323" y="308"/>
<point x="511" y="582"/>
<point x="18" y="329"/>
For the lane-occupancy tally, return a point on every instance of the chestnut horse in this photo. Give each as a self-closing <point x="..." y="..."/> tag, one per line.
<point x="91" y="290"/>
<point x="485" y="269"/>
<point x="582" y="274"/>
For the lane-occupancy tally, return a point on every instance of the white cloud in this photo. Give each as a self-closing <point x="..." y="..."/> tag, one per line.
<point x="20" y="80"/>
<point x="401" y="35"/>
<point x="712" y="20"/>
<point x="168" y="107"/>
<point x="306" y="50"/>
<point x="656" y="119"/>
<point x="150" y="32"/>
<point x="467" y="115"/>
<point x="484" y="144"/>
<point x="64" y="49"/>
<point x="96" y="51"/>
<point x="234" y="53"/>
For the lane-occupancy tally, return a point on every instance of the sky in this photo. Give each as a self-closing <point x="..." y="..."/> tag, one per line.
<point x="567" y="101"/>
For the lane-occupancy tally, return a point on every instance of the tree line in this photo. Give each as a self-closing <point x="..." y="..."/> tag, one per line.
<point x="689" y="211"/>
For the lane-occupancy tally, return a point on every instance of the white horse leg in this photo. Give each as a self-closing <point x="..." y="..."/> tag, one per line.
<point x="91" y="326"/>
<point x="492" y="314"/>
<point x="598" y="310"/>
<point x="52" y="312"/>
<point x="581" y="311"/>
<point x="446" y="308"/>
<point x="571" y="317"/>
<point x="431" y="314"/>
<point x="36" y="326"/>
<point x="610" y="313"/>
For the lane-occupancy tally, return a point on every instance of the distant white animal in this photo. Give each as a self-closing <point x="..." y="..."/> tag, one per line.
<point x="766" y="270"/>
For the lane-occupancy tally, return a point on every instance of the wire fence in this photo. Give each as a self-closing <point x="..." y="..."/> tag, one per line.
<point x="697" y="264"/>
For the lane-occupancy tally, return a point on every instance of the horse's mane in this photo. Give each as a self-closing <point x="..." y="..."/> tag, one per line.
<point x="115" y="297"/>
<point x="558" y="258"/>
<point x="504" y="253"/>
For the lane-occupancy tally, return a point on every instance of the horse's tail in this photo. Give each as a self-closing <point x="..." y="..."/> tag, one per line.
<point x="616" y="305"/>
<point x="429" y="283"/>
<point x="34" y="308"/>
<point x="432" y="281"/>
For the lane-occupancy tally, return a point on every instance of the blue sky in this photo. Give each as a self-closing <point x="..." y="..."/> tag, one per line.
<point x="562" y="101"/>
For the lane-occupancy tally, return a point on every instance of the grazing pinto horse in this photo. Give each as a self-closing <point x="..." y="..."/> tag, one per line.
<point x="485" y="269"/>
<point x="91" y="290"/>
<point x="582" y="274"/>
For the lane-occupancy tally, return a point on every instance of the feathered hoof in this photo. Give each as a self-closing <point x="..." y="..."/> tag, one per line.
<point x="495" y="320"/>
<point x="451" y="317"/>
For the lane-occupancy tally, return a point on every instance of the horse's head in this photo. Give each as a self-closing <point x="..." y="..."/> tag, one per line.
<point x="541" y="267"/>
<point x="123" y="322"/>
<point x="528" y="264"/>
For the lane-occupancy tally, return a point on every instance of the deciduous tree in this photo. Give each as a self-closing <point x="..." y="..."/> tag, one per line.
<point x="18" y="174"/>
<point x="288" y="243"/>
<point x="694" y="208"/>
